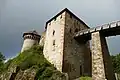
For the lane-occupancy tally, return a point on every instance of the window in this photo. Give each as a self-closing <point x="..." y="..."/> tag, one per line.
<point x="77" y="22"/>
<point x="55" y="19"/>
<point x="80" y="70"/>
<point x="53" y="47"/>
<point x="53" y="32"/>
<point x="61" y="16"/>
<point x="53" y="42"/>
<point x="76" y="30"/>
<point x="70" y="16"/>
<point x="70" y="30"/>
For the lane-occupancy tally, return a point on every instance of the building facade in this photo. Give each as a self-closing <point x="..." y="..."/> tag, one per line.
<point x="62" y="50"/>
<point x="68" y="55"/>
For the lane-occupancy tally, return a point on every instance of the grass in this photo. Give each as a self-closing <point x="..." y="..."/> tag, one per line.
<point x="34" y="58"/>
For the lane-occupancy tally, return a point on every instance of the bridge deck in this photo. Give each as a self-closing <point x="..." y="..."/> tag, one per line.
<point x="111" y="29"/>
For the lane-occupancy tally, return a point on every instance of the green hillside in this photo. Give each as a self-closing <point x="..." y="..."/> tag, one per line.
<point x="34" y="59"/>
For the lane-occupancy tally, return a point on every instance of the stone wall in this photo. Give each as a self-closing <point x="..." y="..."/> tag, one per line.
<point x="62" y="50"/>
<point x="53" y="47"/>
<point x="28" y="43"/>
<point x="42" y="39"/>
<point x="101" y="62"/>
<point x="74" y="52"/>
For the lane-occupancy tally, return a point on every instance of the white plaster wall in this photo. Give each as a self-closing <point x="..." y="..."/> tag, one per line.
<point x="28" y="43"/>
<point x="56" y="56"/>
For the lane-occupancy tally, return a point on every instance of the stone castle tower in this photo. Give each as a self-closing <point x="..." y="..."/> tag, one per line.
<point x="30" y="38"/>
<point x="61" y="49"/>
<point x="68" y="55"/>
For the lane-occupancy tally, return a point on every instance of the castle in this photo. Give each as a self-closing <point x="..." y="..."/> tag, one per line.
<point x="68" y="55"/>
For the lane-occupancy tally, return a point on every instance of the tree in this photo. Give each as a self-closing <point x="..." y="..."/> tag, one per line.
<point x="2" y="59"/>
<point x="116" y="63"/>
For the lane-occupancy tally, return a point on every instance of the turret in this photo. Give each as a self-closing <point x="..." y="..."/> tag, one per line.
<point x="30" y="38"/>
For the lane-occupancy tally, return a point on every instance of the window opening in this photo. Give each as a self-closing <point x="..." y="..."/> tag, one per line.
<point x="53" y="32"/>
<point x="53" y="42"/>
<point x="76" y="30"/>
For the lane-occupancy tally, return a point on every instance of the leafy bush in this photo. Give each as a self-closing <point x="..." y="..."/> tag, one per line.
<point x="116" y="63"/>
<point x="2" y="59"/>
<point x="85" y="78"/>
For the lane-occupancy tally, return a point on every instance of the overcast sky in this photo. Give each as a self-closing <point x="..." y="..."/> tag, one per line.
<point x="18" y="16"/>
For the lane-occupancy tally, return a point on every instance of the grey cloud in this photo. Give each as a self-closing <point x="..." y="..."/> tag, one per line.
<point x="18" y="16"/>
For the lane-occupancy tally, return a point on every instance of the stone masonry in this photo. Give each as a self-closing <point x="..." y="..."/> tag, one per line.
<point x="53" y="47"/>
<point x="30" y="38"/>
<point x="69" y="54"/>
<point x="101" y="63"/>
<point x="60" y="47"/>
<point x="98" y="72"/>
<point x="74" y="62"/>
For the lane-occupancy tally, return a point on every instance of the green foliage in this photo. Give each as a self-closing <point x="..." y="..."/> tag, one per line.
<point x="116" y="63"/>
<point x="2" y="58"/>
<point x="28" y="58"/>
<point x="7" y="64"/>
<point x="85" y="78"/>
<point x="34" y="58"/>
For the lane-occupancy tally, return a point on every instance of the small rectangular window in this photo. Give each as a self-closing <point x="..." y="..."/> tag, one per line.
<point x="53" y="32"/>
<point x="53" y="42"/>
<point x="61" y="16"/>
<point x="55" y="19"/>
<point x="53" y="47"/>
<point x="70" y="16"/>
<point x="80" y="70"/>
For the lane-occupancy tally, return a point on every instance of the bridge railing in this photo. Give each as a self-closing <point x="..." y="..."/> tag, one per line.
<point x="98" y="28"/>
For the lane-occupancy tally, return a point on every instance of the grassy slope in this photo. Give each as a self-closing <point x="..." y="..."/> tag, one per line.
<point x="34" y="58"/>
